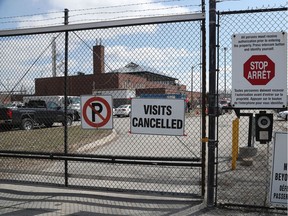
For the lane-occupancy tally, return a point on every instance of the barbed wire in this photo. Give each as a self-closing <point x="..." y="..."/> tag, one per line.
<point x="126" y="17"/>
<point x="34" y="26"/>
<point x="149" y="11"/>
<point x="135" y="10"/>
<point x="31" y="15"/>
<point x="39" y="20"/>
<point x="128" y="5"/>
<point x="134" y="13"/>
<point x="86" y="9"/>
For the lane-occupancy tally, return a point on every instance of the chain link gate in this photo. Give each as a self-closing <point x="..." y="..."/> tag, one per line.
<point x="246" y="186"/>
<point x="160" y="57"/>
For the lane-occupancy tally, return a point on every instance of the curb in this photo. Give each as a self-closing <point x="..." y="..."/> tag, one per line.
<point x="98" y="143"/>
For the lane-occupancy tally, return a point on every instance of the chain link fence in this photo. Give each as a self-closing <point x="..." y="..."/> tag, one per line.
<point x="158" y="60"/>
<point x="152" y="60"/>
<point x="249" y="183"/>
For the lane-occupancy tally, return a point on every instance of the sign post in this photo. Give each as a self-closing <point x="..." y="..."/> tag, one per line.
<point x="96" y="112"/>
<point x="259" y="70"/>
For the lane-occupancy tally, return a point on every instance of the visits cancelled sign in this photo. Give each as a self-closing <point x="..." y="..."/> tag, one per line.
<point x="157" y="116"/>
<point x="259" y="70"/>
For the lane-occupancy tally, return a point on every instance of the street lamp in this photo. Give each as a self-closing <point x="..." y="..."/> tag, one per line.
<point x="225" y="49"/>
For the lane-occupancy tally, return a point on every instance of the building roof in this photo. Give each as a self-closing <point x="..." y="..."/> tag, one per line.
<point x="133" y="68"/>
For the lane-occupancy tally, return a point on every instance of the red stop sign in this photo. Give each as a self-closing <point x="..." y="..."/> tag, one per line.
<point x="259" y="69"/>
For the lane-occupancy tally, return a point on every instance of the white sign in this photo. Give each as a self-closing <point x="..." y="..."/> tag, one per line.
<point x="259" y="70"/>
<point x="96" y="112"/>
<point x="158" y="116"/>
<point x="279" y="187"/>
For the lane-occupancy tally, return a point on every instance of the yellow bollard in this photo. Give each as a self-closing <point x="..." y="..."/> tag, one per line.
<point x="235" y="142"/>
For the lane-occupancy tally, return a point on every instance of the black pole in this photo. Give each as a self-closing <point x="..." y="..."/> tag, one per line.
<point x="250" y="129"/>
<point x="217" y="106"/>
<point x="225" y="90"/>
<point x="212" y="103"/>
<point x="191" y="99"/>
<point x="65" y="96"/>
<point x="203" y="105"/>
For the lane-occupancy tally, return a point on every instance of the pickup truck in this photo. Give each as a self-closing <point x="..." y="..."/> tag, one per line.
<point x="34" y="113"/>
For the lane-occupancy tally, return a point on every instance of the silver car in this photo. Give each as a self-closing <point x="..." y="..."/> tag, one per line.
<point x="123" y="110"/>
<point x="283" y="115"/>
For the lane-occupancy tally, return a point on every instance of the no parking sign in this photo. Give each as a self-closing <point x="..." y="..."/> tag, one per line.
<point x="96" y="112"/>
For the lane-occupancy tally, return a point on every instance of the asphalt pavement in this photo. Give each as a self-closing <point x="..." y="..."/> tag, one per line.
<point x="20" y="199"/>
<point x="27" y="199"/>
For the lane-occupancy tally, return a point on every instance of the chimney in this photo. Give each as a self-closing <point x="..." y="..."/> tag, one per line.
<point x="54" y="57"/>
<point x="98" y="59"/>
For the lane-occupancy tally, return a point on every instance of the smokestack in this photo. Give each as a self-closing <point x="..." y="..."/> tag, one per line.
<point x="98" y="59"/>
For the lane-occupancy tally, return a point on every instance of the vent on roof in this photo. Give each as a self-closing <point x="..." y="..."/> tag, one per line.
<point x="131" y="65"/>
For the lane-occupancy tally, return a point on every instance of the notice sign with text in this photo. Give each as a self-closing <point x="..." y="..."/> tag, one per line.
<point x="259" y="70"/>
<point x="157" y="116"/>
<point x="279" y="187"/>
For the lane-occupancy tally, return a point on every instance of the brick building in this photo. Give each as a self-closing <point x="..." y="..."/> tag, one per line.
<point x="132" y="76"/>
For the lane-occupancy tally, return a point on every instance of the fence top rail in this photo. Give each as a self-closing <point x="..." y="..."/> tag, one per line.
<point x="253" y="11"/>
<point x="105" y="24"/>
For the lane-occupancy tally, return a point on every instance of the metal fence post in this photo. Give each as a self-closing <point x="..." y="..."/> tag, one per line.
<point x="203" y="105"/>
<point x="212" y="102"/>
<point x="65" y="95"/>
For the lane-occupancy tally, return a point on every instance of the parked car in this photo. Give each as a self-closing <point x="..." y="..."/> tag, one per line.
<point x="220" y="110"/>
<point x="35" y="113"/>
<point x="73" y="102"/>
<point x="283" y="115"/>
<point x="114" y="111"/>
<point x="123" y="110"/>
<point x="15" y="105"/>
<point x="224" y="105"/>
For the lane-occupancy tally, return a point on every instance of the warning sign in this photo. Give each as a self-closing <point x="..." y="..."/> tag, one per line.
<point x="157" y="116"/>
<point x="279" y="187"/>
<point x="96" y="112"/>
<point x="259" y="70"/>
